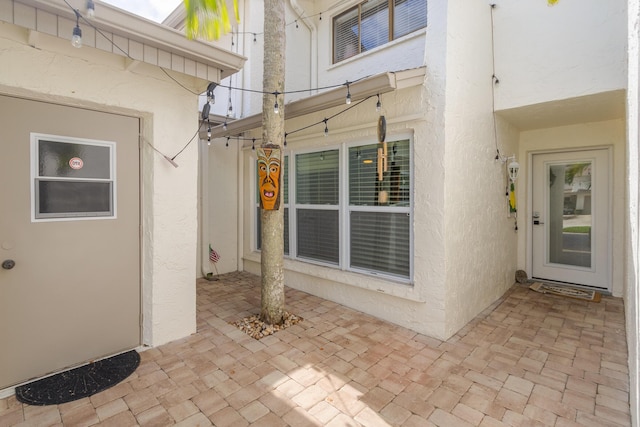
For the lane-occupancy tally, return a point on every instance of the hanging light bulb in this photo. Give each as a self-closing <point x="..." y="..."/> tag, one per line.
<point x="224" y="125"/>
<point x="254" y="38"/>
<point x="253" y="144"/>
<point x="209" y="141"/>
<point x="76" y="38"/>
<point x="285" y="139"/>
<point x="91" y="9"/>
<point x="227" y="144"/>
<point x="348" y="95"/>
<point x="276" y="109"/>
<point x="230" y="110"/>
<point x="211" y="97"/>
<point x="297" y="24"/>
<point x="209" y="133"/>
<point x="326" y="128"/>
<point x="378" y="104"/>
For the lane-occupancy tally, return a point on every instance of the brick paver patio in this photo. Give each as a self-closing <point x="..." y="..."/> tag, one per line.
<point x="529" y="360"/>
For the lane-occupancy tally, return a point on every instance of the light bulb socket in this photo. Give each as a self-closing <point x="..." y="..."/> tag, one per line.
<point x="76" y="39"/>
<point x="91" y="9"/>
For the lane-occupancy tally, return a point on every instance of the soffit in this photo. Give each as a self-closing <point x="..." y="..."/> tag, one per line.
<point x="588" y="108"/>
<point x="141" y="39"/>
<point x="377" y="84"/>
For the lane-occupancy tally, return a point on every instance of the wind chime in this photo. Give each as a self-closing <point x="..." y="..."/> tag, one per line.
<point x="383" y="195"/>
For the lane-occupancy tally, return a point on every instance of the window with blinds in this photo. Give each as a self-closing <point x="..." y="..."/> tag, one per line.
<point x="370" y="219"/>
<point x="380" y="208"/>
<point x="317" y="206"/>
<point x="373" y="23"/>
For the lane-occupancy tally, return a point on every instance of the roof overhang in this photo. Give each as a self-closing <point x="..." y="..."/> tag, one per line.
<point x="119" y="22"/>
<point x="376" y="84"/>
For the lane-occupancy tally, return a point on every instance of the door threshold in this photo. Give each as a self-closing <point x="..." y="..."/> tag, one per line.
<point x="603" y="291"/>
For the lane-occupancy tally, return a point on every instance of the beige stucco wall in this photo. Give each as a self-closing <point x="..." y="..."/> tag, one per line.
<point x="464" y="243"/>
<point x="87" y="77"/>
<point x="480" y="237"/>
<point x="596" y="134"/>
<point x="420" y="306"/>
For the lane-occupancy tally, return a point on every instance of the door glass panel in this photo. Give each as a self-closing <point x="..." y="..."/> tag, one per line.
<point x="73" y="160"/>
<point x="72" y="178"/>
<point x="570" y="214"/>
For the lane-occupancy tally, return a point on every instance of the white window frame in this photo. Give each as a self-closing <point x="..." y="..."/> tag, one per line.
<point x="344" y="209"/>
<point x="35" y="138"/>
<point x="391" y="6"/>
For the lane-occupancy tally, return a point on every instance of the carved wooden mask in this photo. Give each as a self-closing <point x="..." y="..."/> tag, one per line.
<point x="269" y="177"/>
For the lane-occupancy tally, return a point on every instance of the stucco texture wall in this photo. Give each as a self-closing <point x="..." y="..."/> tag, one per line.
<point x="90" y="78"/>
<point x="481" y="240"/>
<point x="632" y="284"/>
<point x="418" y="306"/>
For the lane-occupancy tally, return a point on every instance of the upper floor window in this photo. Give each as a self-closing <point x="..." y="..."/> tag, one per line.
<point x="375" y="22"/>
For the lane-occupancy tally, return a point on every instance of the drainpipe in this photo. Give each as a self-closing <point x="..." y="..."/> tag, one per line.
<point x="299" y="10"/>
<point x="203" y="155"/>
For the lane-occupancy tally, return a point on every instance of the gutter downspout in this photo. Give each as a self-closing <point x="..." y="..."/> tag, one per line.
<point x="313" y="69"/>
<point x="203" y="155"/>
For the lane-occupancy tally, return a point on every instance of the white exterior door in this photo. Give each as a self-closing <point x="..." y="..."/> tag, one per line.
<point x="69" y="237"/>
<point x="571" y="218"/>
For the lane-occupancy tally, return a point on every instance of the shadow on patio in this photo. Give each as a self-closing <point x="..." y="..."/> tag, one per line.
<point x="530" y="359"/>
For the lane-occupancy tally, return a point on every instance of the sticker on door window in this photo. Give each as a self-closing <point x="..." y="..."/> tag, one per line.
<point x="76" y="163"/>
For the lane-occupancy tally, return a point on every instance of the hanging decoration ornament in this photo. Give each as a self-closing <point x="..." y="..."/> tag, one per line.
<point x="382" y="129"/>
<point x="269" y="160"/>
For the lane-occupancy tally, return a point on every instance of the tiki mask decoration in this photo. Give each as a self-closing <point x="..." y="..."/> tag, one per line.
<point x="269" y="177"/>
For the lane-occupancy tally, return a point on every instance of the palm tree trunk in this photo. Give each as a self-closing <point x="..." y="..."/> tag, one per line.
<point x="272" y="297"/>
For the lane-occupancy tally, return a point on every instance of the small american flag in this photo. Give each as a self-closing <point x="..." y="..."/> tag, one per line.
<point x="213" y="255"/>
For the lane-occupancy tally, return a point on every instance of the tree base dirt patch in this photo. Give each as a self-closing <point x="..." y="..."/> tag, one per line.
<point x="256" y="328"/>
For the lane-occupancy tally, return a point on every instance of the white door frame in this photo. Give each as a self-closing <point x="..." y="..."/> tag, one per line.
<point x="529" y="211"/>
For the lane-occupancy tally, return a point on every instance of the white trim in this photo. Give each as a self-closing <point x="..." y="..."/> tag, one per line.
<point x="529" y="213"/>
<point x="389" y="283"/>
<point x="37" y="137"/>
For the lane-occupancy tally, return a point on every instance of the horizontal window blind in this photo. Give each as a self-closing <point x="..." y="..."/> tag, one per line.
<point x="365" y="186"/>
<point x="408" y="16"/>
<point x="374" y="24"/>
<point x="379" y="203"/>
<point x="317" y="176"/>
<point x="318" y="235"/>
<point x="380" y="242"/>
<point x="346" y="35"/>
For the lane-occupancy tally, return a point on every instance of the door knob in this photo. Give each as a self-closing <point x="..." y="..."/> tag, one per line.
<point x="8" y="264"/>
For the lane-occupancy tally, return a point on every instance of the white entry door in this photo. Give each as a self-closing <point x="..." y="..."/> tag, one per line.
<point x="69" y="237"/>
<point x="571" y="212"/>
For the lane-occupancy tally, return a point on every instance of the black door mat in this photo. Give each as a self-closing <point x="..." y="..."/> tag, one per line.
<point x="79" y="382"/>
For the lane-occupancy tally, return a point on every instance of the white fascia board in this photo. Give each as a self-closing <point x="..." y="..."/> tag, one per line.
<point x="124" y="24"/>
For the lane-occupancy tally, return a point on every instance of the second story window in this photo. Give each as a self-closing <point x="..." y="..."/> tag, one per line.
<point x="375" y="22"/>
